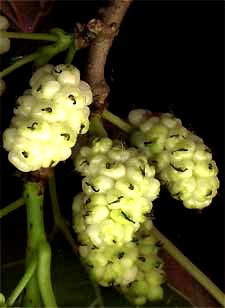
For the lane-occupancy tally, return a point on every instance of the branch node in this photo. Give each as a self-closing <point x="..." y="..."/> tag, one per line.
<point x="95" y="25"/>
<point x="106" y="27"/>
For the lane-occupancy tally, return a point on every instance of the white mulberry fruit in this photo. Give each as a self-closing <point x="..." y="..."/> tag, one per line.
<point x="120" y="180"/>
<point x="132" y="267"/>
<point x="183" y="162"/>
<point x="118" y="190"/>
<point x="48" y="117"/>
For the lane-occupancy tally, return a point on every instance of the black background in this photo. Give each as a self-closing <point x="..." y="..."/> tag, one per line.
<point x="167" y="57"/>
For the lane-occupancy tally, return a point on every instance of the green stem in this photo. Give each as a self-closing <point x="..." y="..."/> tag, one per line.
<point x="33" y="197"/>
<point x="37" y="244"/>
<point x="71" y="53"/>
<point x="44" y="274"/>
<point x="64" y="42"/>
<point x="58" y="219"/>
<point x="190" y="267"/>
<point x="44" y="54"/>
<point x="30" y="36"/>
<point x="19" y="63"/>
<point x="11" y="207"/>
<point x="107" y="115"/>
<point x="23" y="282"/>
<point x="96" y="127"/>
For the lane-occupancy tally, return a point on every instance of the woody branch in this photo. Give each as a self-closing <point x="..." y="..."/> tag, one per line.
<point x="106" y="27"/>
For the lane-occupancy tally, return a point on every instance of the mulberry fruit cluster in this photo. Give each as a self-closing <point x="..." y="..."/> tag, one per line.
<point x="183" y="162"/>
<point x="118" y="190"/>
<point x="4" y="41"/>
<point x="119" y="187"/>
<point x="47" y="118"/>
<point x="150" y="276"/>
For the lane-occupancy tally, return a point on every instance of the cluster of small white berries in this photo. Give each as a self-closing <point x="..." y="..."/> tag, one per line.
<point x="119" y="187"/>
<point x="48" y="117"/>
<point x="118" y="190"/>
<point x="150" y="276"/>
<point x="4" y="41"/>
<point x="183" y="162"/>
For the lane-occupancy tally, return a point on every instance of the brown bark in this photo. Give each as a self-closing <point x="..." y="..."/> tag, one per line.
<point x="106" y="28"/>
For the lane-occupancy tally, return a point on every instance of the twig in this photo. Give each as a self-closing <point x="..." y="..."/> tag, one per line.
<point x="106" y="28"/>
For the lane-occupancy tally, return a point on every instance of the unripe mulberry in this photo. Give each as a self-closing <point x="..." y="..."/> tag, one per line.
<point x="183" y="162"/>
<point x="48" y="117"/>
<point x="119" y="180"/>
<point x="150" y="275"/>
<point x="133" y="267"/>
<point x="118" y="190"/>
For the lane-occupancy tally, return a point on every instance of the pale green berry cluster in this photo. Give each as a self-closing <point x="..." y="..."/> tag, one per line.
<point x="48" y="117"/>
<point x="118" y="190"/>
<point x="4" y="41"/>
<point x="132" y="267"/>
<point x="147" y="285"/>
<point x="183" y="162"/>
<point x="119" y="187"/>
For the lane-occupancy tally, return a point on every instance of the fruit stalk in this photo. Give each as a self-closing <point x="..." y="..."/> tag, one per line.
<point x="107" y="115"/>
